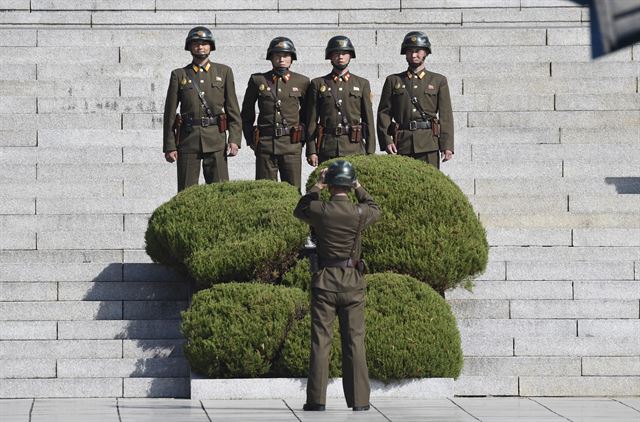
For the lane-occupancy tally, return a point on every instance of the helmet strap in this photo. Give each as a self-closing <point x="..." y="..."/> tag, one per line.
<point x="281" y="71"/>
<point x="340" y="67"/>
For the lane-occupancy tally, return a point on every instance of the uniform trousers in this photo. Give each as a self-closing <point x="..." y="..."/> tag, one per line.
<point x="349" y="307"/>
<point x="430" y="157"/>
<point x="289" y="165"/>
<point x="214" y="168"/>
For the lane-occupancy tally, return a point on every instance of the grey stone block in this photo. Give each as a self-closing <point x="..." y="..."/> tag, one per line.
<point x="52" y="121"/>
<point x="603" y="308"/>
<point x="579" y="386"/>
<point x="457" y="71"/>
<point x="17" y="105"/>
<point x="142" y="155"/>
<point x="596" y="135"/>
<point x="594" y="69"/>
<point x="153" y="310"/>
<point x="577" y="346"/>
<point x="45" y="18"/>
<point x="467" y="385"/>
<point x="123" y="291"/>
<point x="507" y="135"/>
<point x="156" y="273"/>
<point x="18" y="173"/>
<point x="55" y="348"/>
<point x="500" y="169"/>
<point x="28" y="155"/>
<point x="569" y="36"/>
<point x="54" y="387"/>
<point x="61" y="272"/>
<point x="49" y="5"/>
<point x="338" y="5"/>
<point x="621" y="290"/>
<point x="609" y="203"/>
<point x="514" y="290"/>
<point x="597" y="102"/>
<point x="521" y="366"/>
<point x="107" y="71"/>
<point x="125" y="368"/>
<point x="369" y="17"/>
<point x="610" y="236"/>
<point x="153" y="330"/>
<point x="83" y="240"/>
<point x="157" y="387"/>
<point x="70" y="409"/>
<point x="138" y="222"/>
<point x="16" y="5"/>
<point x="485" y="102"/>
<point x="136" y="257"/>
<point x="547" y="3"/>
<point x="544" y="185"/>
<point x="469" y="36"/>
<point x="557" y="119"/>
<point x="611" y="366"/>
<point x="494" y="271"/>
<point x="27" y="330"/>
<point x="558" y="220"/>
<point x="605" y="169"/>
<point x="482" y="346"/>
<point x="104" y="172"/>
<point x="64" y="311"/>
<point x="60" y="257"/>
<point x="64" y="138"/>
<point x="59" y="190"/>
<point x="117" y="205"/>
<point x="582" y="152"/>
<point x="565" y="87"/>
<point x="26" y="368"/>
<point x="570" y="271"/>
<point x="509" y="328"/>
<point x="20" y="55"/>
<point x="18" y="206"/>
<point x="17" y="138"/>
<point x="629" y="328"/>
<point x="253" y="5"/>
<point x="16" y="240"/>
<point x="562" y="254"/>
<point x="522" y="15"/>
<point x="27" y="292"/>
<point x="152" y="348"/>
<point x="478" y="308"/>
<point x="552" y="53"/>
<point x="99" y="105"/>
<point x="529" y="237"/>
<point x="519" y="204"/>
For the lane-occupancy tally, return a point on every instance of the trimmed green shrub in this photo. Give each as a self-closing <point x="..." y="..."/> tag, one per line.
<point x="235" y="330"/>
<point x="428" y="228"/>
<point x="232" y="231"/>
<point x="298" y="276"/>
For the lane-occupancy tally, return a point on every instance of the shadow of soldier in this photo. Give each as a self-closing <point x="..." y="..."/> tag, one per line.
<point x="624" y="185"/>
<point x="140" y="305"/>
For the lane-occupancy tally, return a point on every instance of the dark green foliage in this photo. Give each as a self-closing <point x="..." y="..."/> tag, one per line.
<point x="428" y="228"/>
<point x="298" y="276"/>
<point x="411" y="333"/>
<point x="235" y="330"/>
<point x="233" y="231"/>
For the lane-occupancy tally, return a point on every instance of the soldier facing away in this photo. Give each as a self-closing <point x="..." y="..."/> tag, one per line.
<point x="280" y="93"/>
<point x="414" y="114"/>
<point x="340" y="114"/>
<point x="209" y="111"/>
<point x="338" y="287"/>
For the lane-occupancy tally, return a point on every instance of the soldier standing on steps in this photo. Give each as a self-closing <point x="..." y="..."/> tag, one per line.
<point x="208" y="112"/>
<point x="280" y="93"/>
<point x="414" y="115"/>
<point x="340" y="114"/>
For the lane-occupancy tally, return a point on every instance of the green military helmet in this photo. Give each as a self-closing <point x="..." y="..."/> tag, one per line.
<point x="415" y="39"/>
<point x="200" y="33"/>
<point x="281" y="45"/>
<point x="339" y="43"/>
<point x="340" y="173"/>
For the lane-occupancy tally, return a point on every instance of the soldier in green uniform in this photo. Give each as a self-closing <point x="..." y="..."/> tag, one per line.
<point x="340" y="114"/>
<point x="209" y="111"/>
<point x="278" y="137"/>
<point x="338" y="287"/>
<point x="414" y="115"/>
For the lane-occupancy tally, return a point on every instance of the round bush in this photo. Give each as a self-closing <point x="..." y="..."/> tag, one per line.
<point x="235" y="330"/>
<point x="232" y="231"/>
<point x="428" y="228"/>
<point x="411" y="333"/>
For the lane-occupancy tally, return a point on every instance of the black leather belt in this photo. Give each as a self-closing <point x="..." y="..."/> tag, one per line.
<point x="203" y="121"/>
<point x="337" y="131"/>
<point x="274" y="131"/>
<point x="414" y="125"/>
<point x="342" y="263"/>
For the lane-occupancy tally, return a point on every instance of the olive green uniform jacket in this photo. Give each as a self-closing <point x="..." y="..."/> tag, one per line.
<point x="335" y="224"/>
<point x="291" y="94"/>
<point x="355" y="94"/>
<point x="219" y="89"/>
<point x="432" y="93"/>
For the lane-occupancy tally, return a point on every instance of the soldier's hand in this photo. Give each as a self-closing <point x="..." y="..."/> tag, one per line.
<point x="320" y="184"/>
<point x="313" y="160"/>
<point x="356" y="184"/>
<point x="232" y="150"/>
<point x="446" y="155"/>
<point x="171" y="156"/>
<point x="392" y="149"/>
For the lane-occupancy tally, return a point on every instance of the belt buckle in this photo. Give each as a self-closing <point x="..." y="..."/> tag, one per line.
<point x="204" y="121"/>
<point x="413" y="125"/>
<point x="338" y="130"/>
<point x="277" y="132"/>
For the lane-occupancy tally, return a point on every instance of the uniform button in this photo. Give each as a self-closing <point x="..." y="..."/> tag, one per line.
<point x="201" y="81"/>
<point x="339" y="113"/>
<point x="279" y="90"/>
<point x="340" y="89"/>
<point x="415" y="86"/>
<point x="414" y="109"/>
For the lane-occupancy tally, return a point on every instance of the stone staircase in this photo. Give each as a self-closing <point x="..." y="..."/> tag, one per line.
<point x="548" y="151"/>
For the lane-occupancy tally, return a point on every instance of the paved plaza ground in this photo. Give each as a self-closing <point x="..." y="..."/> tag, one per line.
<point x="459" y="409"/>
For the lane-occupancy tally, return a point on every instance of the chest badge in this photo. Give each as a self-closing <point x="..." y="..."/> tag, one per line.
<point x="356" y="88"/>
<point x="218" y="78"/>
<point x="431" y="86"/>
<point x="397" y="85"/>
<point x="323" y="88"/>
<point x="294" y="89"/>
<point x="183" y="82"/>
<point x="261" y="87"/>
